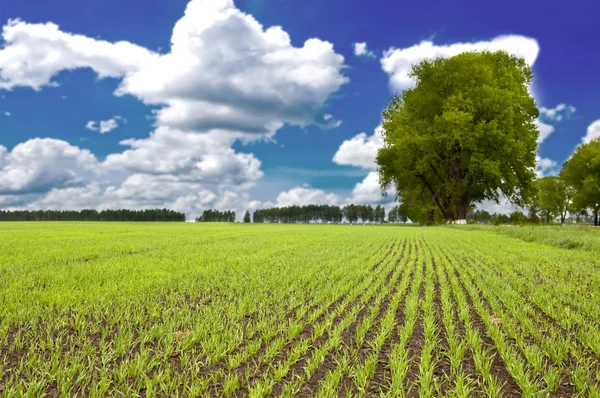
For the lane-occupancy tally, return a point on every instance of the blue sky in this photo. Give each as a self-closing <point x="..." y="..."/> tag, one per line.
<point x="115" y="104"/>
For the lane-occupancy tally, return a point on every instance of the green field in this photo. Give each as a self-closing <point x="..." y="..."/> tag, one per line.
<point x="150" y="309"/>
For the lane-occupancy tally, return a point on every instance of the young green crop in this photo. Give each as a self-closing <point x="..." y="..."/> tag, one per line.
<point x="124" y="309"/>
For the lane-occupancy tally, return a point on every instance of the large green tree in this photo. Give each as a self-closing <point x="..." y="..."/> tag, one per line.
<point x="582" y="172"/>
<point x="463" y="134"/>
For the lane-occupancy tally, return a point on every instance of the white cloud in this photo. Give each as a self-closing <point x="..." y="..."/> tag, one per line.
<point x="206" y="158"/>
<point x="544" y="129"/>
<point x="397" y="63"/>
<point x="544" y="166"/>
<point x="108" y="125"/>
<point x="104" y="126"/>
<point x="361" y="50"/>
<point x="502" y="207"/>
<point x="142" y="191"/>
<point x="34" y="53"/>
<point x="306" y="195"/>
<point x="593" y="132"/>
<point x="7" y="113"/>
<point x="225" y="78"/>
<point x="368" y="190"/>
<point x="557" y="113"/>
<point x="224" y="69"/>
<point x="360" y="150"/>
<point x="38" y="165"/>
<point x="331" y="122"/>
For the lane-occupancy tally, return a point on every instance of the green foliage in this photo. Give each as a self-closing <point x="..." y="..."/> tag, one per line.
<point x="92" y="215"/>
<point x="465" y="133"/>
<point x="398" y="214"/>
<point x="517" y="218"/>
<point x="247" y="217"/>
<point x="553" y="197"/>
<point x="320" y="213"/>
<point x="566" y="237"/>
<point x="216" y="216"/>
<point x="582" y="172"/>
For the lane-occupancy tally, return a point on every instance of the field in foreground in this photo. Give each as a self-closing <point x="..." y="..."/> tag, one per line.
<point x="100" y="309"/>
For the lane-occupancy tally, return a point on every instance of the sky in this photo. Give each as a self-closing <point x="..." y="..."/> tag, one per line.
<point x="201" y="104"/>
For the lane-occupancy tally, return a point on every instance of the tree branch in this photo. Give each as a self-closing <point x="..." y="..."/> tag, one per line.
<point x="433" y="195"/>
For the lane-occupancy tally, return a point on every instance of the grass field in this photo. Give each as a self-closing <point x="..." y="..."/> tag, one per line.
<point x="101" y="309"/>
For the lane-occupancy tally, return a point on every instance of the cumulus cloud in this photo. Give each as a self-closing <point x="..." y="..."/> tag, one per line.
<point x="544" y="166"/>
<point x="502" y="207"/>
<point x="361" y="50"/>
<point x="593" y="132"/>
<point x="558" y="113"/>
<point x="360" y="150"/>
<point x="141" y="191"/>
<point x="397" y="62"/>
<point x="35" y="53"/>
<point x="206" y="158"/>
<point x="544" y="129"/>
<point x="104" y="126"/>
<point x="38" y="165"/>
<point x="7" y="113"/>
<point x="224" y="69"/>
<point x="306" y="195"/>
<point x="368" y="190"/>
<point x="225" y="78"/>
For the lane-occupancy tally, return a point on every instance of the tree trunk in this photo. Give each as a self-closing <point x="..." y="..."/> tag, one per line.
<point x="596" y="217"/>
<point x="461" y="209"/>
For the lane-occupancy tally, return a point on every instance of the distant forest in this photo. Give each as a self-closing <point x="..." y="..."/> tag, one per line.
<point x="322" y="213"/>
<point x="216" y="216"/>
<point x="92" y="215"/>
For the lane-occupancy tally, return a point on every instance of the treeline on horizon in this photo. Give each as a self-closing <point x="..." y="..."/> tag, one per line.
<point x="92" y="215"/>
<point x="520" y="218"/>
<point x="216" y="216"/>
<point x="320" y="213"/>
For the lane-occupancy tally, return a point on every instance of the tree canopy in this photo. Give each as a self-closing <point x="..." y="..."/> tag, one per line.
<point x="553" y="197"/>
<point x="582" y="172"/>
<point x="216" y="216"/>
<point x="320" y="213"/>
<point x="463" y="134"/>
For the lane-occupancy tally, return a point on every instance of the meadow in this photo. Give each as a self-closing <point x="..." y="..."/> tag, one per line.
<point x="211" y="309"/>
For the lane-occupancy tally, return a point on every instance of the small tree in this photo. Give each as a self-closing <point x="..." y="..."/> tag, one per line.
<point x="247" y="217"/>
<point x="553" y="197"/>
<point x="517" y="218"/>
<point x="582" y="173"/>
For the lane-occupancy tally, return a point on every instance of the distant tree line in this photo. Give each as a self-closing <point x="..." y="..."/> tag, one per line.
<point x="398" y="214"/>
<point x="92" y="215"/>
<point x="299" y="214"/>
<point x="216" y="216"/>
<point x="533" y="216"/>
<point x="320" y="213"/>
